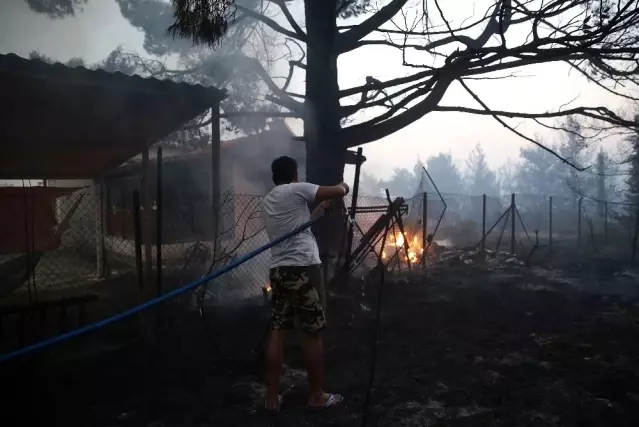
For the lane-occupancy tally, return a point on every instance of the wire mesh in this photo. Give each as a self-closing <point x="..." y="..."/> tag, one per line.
<point x="67" y="243"/>
<point x="56" y="236"/>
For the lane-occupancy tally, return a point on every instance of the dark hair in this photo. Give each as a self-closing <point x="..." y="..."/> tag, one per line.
<point x="284" y="170"/>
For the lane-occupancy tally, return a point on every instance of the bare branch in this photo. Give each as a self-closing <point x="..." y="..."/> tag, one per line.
<point x="597" y="113"/>
<point x="292" y="64"/>
<point x="515" y="131"/>
<point x="348" y="40"/>
<point x="287" y="13"/>
<point x="277" y="95"/>
<point x="260" y="114"/>
<point x="270" y="22"/>
<point x="384" y="85"/>
<point x="362" y="43"/>
<point x="373" y="130"/>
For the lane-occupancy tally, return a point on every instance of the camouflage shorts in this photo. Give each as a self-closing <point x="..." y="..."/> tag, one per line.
<point x="296" y="297"/>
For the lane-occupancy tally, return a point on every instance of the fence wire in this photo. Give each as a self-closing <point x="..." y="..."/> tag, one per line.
<point x="69" y="248"/>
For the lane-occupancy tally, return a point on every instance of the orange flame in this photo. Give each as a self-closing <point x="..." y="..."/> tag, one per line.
<point x="396" y="243"/>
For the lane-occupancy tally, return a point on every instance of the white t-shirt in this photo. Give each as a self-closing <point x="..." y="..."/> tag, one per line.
<point x="285" y="208"/>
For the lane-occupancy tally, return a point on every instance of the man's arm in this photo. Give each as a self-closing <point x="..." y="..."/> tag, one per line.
<point x="322" y="207"/>
<point x="331" y="192"/>
<point x="316" y="194"/>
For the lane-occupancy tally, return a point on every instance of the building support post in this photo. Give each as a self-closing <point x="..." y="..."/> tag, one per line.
<point x="147" y="216"/>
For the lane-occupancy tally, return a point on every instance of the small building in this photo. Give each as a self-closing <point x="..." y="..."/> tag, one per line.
<point x="186" y="209"/>
<point x="70" y="127"/>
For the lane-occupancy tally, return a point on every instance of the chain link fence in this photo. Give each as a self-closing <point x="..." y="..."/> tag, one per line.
<point x="48" y="239"/>
<point x="578" y="225"/>
<point x="73" y="238"/>
<point x="79" y="249"/>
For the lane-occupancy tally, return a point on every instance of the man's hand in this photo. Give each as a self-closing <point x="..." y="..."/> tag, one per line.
<point x="345" y="187"/>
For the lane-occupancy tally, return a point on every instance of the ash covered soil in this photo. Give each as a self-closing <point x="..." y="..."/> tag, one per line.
<point x="464" y="345"/>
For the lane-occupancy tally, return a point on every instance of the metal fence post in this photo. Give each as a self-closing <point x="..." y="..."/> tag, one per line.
<point x="147" y="217"/>
<point x="354" y="196"/>
<point x="99" y="228"/>
<point x="158" y="223"/>
<point x="606" y="222"/>
<point x="513" y="215"/>
<point x="137" y="227"/>
<point x="579" y="221"/>
<point x="550" y="223"/>
<point x="634" y="237"/>
<point x="483" y="223"/>
<point x="424" y="227"/>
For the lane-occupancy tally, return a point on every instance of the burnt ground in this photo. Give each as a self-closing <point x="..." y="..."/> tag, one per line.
<point x="460" y="346"/>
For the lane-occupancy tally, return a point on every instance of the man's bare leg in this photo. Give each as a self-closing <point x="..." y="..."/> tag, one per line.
<point x="314" y="352"/>
<point x="274" y="357"/>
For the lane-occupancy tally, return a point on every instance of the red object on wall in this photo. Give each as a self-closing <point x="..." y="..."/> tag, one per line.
<point x="27" y="219"/>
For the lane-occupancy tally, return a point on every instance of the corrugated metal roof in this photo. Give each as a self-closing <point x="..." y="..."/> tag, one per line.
<point x="63" y="122"/>
<point x="243" y="151"/>
<point x="13" y="64"/>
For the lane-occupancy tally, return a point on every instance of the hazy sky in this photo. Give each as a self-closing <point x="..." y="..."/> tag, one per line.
<point x="100" y="28"/>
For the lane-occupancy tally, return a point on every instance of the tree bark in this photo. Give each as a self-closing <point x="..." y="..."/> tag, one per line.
<point x="325" y="152"/>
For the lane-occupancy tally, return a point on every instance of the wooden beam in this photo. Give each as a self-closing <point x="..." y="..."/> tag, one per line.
<point x="147" y="215"/>
<point x="351" y="158"/>
<point x="98" y="194"/>
<point x="216" y="173"/>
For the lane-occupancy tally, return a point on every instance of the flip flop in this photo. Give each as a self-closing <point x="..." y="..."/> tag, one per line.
<point x="332" y="401"/>
<point x="280" y="399"/>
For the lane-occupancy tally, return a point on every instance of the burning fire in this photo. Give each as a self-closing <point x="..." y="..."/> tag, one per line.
<point x="266" y="293"/>
<point x="395" y="245"/>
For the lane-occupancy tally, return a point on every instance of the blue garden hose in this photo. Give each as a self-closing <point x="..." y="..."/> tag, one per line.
<point x="148" y="304"/>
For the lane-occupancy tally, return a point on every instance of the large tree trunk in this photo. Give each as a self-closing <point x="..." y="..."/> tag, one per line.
<point x="325" y="152"/>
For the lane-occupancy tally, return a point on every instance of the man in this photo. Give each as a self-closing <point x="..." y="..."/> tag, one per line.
<point x="295" y="277"/>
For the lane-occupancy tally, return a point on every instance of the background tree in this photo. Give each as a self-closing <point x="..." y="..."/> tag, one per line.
<point x="480" y="179"/>
<point x="606" y="182"/>
<point x="625" y="212"/>
<point x="406" y="183"/>
<point x="506" y="177"/>
<point x="538" y="173"/>
<point x="445" y="173"/>
<point x="632" y="190"/>
<point x="601" y="180"/>
<point x="574" y="148"/>
<point x="56" y="9"/>
<point x="402" y="183"/>
<point x="369" y="184"/>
